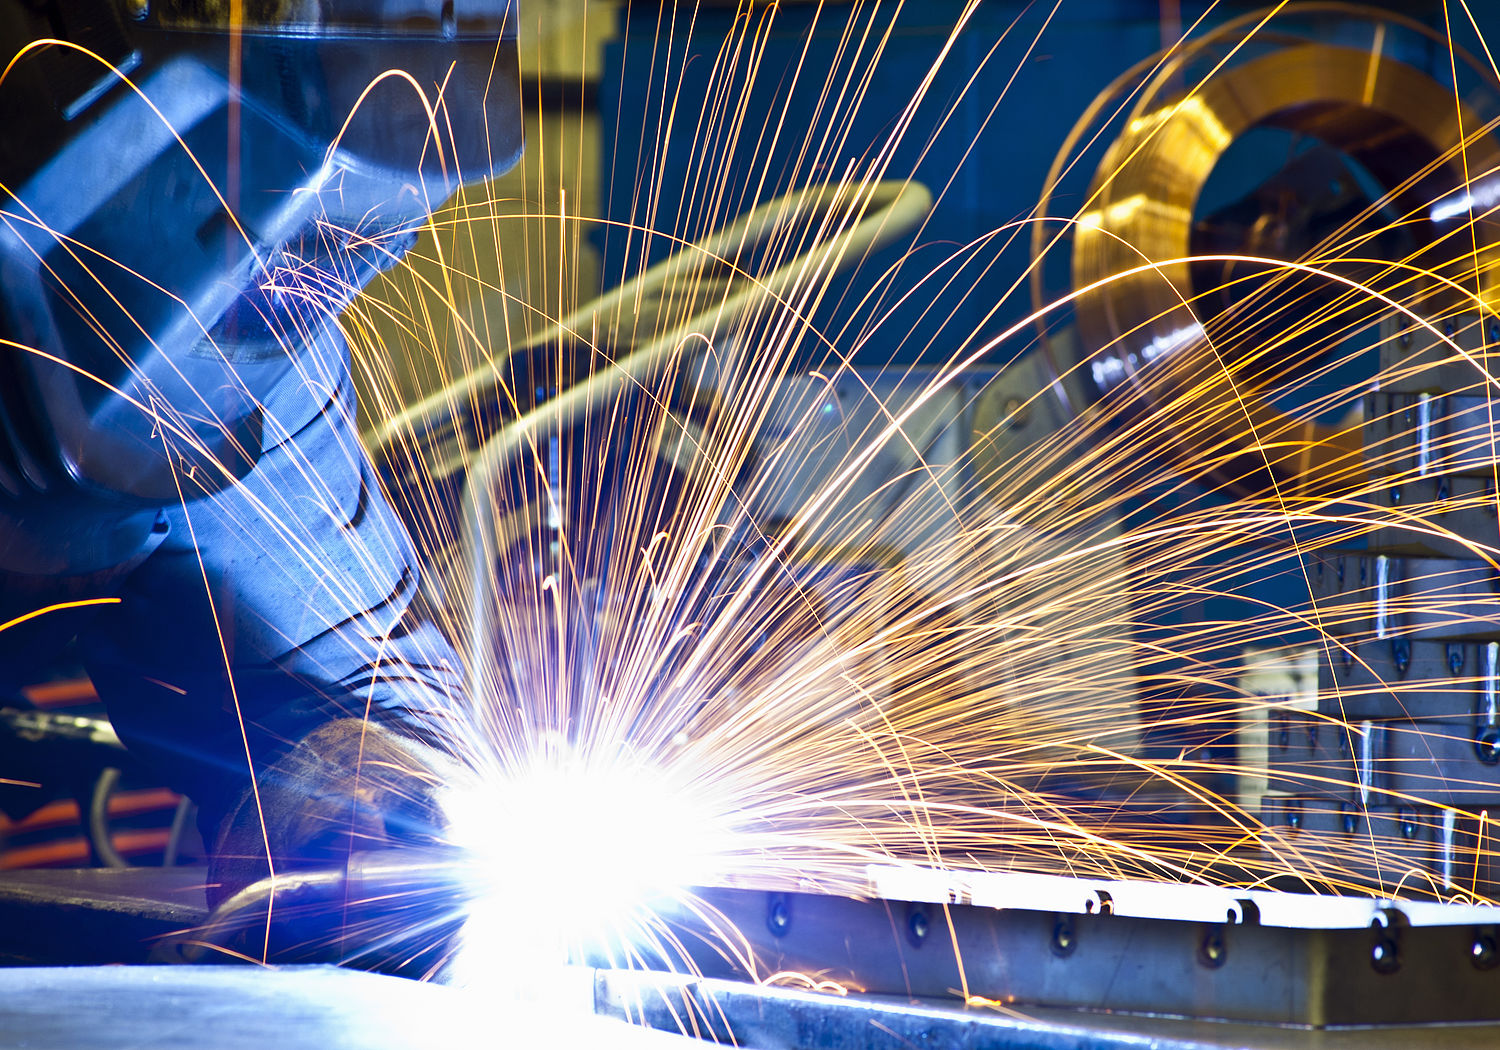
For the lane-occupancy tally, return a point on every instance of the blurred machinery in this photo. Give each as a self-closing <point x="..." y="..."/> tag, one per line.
<point x="222" y="168"/>
<point x="1390" y="775"/>
<point x="1404" y="743"/>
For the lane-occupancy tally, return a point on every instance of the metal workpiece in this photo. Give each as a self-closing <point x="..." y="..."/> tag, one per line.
<point x="1412" y="849"/>
<point x="1026" y="943"/>
<point x="1429" y="436"/>
<point x="1424" y="434"/>
<point x="1451" y="683"/>
<point x="1385" y="762"/>
<point x="761" y="1017"/>
<point x="1452" y="517"/>
<point x="1385" y="968"/>
<point x="1446" y="356"/>
<point x="1385" y="596"/>
<point x="383" y="910"/>
<point x="73" y="917"/>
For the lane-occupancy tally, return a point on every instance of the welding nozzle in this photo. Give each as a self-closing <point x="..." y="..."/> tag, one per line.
<point x="391" y="910"/>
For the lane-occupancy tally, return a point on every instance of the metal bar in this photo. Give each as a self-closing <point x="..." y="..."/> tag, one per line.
<point x="755" y="1016"/>
<point x="1265" y="957"/>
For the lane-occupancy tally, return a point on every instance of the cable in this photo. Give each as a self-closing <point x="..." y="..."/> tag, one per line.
<point x="99" y="836"/>
<point x="174" y="833"/>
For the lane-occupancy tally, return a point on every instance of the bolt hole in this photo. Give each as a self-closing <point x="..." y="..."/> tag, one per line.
<point x="1385" y="956"/>
<point x="1487" y="745"/>
<point x="918" y="926"/>
<point x="1484" y="953"/>
<point x="1064" y="938"/>
<point x="779" y="916"/>
<point x="1212" y="951"/>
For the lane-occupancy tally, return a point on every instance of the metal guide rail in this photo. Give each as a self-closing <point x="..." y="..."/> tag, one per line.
<point x="1124" y="947"/>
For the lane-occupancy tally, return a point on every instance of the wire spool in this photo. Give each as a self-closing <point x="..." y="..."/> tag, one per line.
<point x="1209" y="349"/>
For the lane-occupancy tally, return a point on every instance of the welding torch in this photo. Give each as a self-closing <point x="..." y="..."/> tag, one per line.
<point x="392" y="911"/>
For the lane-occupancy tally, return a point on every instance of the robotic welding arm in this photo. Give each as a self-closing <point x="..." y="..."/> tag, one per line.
<point x="183" y="212"/>
<point x="186" y="205"/>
